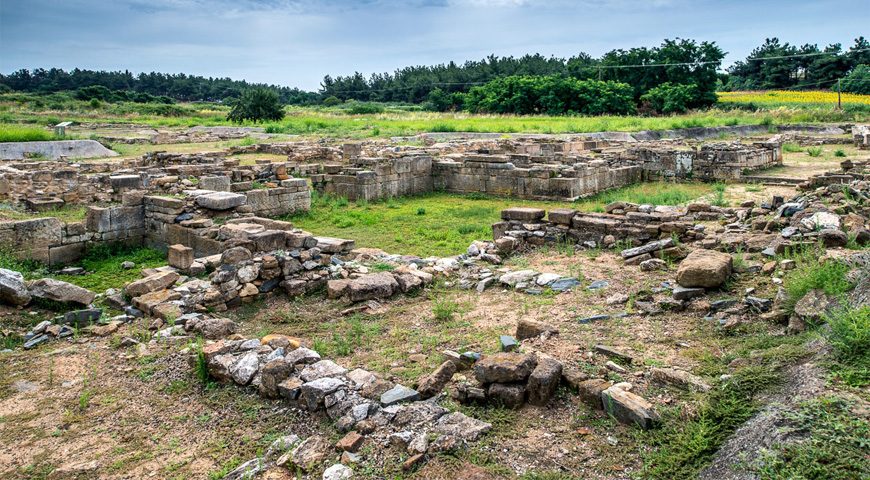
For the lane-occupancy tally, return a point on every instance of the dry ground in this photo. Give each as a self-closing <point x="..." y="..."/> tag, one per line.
<point x="140" y="414"/>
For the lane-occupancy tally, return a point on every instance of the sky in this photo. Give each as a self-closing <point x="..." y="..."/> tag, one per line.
<point x="296" y="42"/>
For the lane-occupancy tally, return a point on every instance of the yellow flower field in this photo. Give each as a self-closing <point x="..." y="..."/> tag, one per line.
<point x="795" y="97"/>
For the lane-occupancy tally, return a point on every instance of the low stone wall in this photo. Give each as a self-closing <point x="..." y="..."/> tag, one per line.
<point x="637" y="224"/>
<point x="53" y="242"/>
<point x="715" y="161"/>
<point x="497" y="175"/>
<point x="41" y="185"/>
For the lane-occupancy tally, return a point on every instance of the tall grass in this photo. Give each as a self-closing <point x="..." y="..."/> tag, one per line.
<point x="14" y="133"/>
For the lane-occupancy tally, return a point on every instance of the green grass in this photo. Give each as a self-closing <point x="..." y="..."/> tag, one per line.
<point x="810" y="275"/>
<point x="14" y="133"/>
<point x="834" y="447"/>
<point x="684" y="447"/>
<point x="791" y="148"/>
<point x="103" y="264"/>
<point x="385" y="120"/>
<point x="850" y="337"/>
<point x="445" y="224"/>
<point x="66" y="213"/>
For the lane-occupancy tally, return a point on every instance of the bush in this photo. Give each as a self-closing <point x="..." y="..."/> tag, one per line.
<point x="552" y="95"/>
<point x="670" y="97"/>
<point x="257" y="104"/>
<point x="440" y="101"/>
<point x="331" y="101"/>
<point x="364" y="108"/>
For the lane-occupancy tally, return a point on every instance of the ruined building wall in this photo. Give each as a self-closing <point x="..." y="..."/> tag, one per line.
<point x="715" y="161"/>
<point x="374" y="179"/>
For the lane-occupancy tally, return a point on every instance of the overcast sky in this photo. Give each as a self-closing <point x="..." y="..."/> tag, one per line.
<point x="297" y="42"/>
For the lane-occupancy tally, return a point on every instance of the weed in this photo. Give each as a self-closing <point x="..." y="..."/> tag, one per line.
<point x="444" y="308"/>
<point x="383" y="267"/>
<point x="791" y="147"/>
<point x="719" y="195"/>
<point x="839" y="152"/>
<point x="810" y="275"/>
<point x="814" y="151"/>
<point x="685" y="446"/>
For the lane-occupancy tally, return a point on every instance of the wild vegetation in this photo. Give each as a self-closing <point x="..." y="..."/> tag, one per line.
<point x="443" y="224"/>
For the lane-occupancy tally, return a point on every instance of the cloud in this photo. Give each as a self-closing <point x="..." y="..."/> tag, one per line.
<point x="297" y="42"/>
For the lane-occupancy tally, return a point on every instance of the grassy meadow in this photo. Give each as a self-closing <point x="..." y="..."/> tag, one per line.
<point x="445" y="224"/>
<point x="736" y="108"/>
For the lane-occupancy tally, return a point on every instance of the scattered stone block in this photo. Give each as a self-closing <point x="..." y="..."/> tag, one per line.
<point x="629" y="408"/>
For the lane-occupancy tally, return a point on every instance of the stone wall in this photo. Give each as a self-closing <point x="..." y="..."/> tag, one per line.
<point x="497" y="175"/>
<point x="53" y="242"/>
<point x="42" y="185"/>
<point x="713" y="161"/>
<point x="374" y="179"/>
<point x="626" y="222"/>
<point x="861" y="136"/>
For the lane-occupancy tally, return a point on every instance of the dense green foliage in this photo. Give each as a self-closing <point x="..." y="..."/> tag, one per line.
<point x="551" y="95"/>
<point x="102" y="93"/>
<point x="676" y="61"/>
<point x="256" y="105"/>
<point x="176" y="86"/>
<point x="670" y="98"/>
<point x="858" y="81"/>
<point x="802" y="67"/>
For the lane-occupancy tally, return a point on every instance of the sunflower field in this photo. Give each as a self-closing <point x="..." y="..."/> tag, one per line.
<point x="776" y="98"/>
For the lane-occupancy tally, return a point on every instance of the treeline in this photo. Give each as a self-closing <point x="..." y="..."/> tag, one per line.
<point x="687" y="62"/>
<point x="180" y="87"/>
<point x="677" y="75"/>
<point x="775" y="65"/>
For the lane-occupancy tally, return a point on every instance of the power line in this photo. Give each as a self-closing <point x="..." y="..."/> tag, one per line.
<point x="611" y="67"/>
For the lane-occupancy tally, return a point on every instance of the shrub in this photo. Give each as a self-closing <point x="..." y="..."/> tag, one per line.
<point x="331" y="101"/>
<point x="257" y="104"/>
<point x="670" y="97"/>
<point x="839" y="152"/>
<point x="365" y="108"/>
<point x="814" y="151"/>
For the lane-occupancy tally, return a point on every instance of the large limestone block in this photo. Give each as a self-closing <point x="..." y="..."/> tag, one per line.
<point x="704" y="268"/>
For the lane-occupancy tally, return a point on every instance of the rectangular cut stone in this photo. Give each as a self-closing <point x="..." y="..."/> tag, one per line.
<point x="180" y="256"/>
<point x="216" y="183"/>
<point x="561" y="216"/>
<point x="523" y="214"/>
<point x="629" y="408"/>
<point x="221" y="200"/>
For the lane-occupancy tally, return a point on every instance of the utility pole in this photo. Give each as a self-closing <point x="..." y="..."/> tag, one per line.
<point x="839" y="100"/>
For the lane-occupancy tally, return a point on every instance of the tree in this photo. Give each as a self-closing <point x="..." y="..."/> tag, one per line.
<point x="857" y="82"/>
<point x="257" y="104"/>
